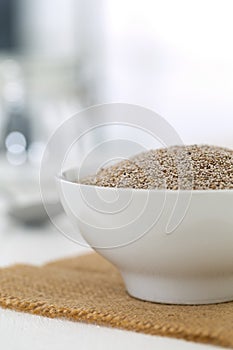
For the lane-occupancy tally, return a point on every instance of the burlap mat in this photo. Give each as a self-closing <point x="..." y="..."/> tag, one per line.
<point x="90" y="289"/>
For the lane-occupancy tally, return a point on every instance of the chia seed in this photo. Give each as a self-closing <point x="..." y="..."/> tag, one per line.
<point x="197" y="167"/>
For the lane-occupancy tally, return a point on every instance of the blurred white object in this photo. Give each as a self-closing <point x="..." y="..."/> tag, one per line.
<point x="175" y="57"/>
<point x="33" y="213"/>
<point x="20" y="188"/>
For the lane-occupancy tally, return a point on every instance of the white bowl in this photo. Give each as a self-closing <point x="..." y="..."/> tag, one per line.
<point x="193" y="264"/>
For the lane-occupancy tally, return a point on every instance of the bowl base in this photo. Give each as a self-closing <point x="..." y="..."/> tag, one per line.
<point x="191" y="291"/>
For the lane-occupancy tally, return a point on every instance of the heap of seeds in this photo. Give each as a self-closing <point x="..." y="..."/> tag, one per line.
<point x="186" y="167"/>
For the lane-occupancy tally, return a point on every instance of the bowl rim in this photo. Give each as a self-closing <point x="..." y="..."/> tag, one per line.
<point x="60" y="177"/>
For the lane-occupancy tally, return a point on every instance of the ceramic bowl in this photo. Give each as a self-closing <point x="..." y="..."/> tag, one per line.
<point x="169" y="246"/>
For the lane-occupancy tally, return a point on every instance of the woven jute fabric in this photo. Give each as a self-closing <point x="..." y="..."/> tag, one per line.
<point x="90" y="289"/>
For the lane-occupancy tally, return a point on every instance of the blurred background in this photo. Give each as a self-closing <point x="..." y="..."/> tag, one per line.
<point x="59" y="56"/>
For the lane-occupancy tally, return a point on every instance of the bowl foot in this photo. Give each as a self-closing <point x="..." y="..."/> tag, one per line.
<point x="194" y="291"/>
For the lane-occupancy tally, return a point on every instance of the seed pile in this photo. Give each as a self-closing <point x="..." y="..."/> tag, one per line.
<point x="178" y="167"/>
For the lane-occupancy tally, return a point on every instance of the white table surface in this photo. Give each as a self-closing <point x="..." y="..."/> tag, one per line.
<point x="24" y="331"/>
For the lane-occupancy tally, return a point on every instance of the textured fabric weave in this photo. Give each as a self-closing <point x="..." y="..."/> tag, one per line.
<point x="90" y="289"/>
